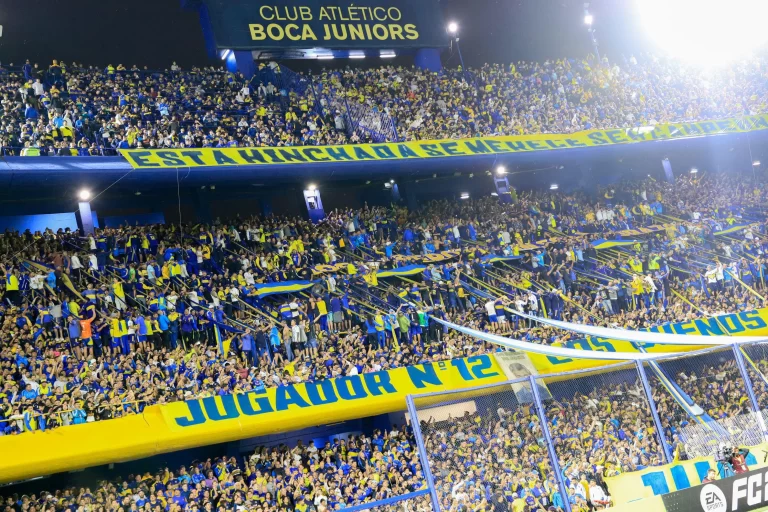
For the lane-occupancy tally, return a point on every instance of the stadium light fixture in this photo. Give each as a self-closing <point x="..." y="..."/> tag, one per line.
<point x="392" y="181"/>
<point x="324" y="57"/>
<point x="387" y="55"/>
<point x="464" y="195"/>
<point x="588" y="19"/>
<point x="453" y="27"/>
<point x="357" y="55"/>
<point x="694" y="170"/>
<point x="553" y="186"/>
<point x="756" y="163"/>
<point x="501" y="170"/>
<point x="84" y="194"/>
<point x="676" y="27"/>
<point x="312" y="187"/>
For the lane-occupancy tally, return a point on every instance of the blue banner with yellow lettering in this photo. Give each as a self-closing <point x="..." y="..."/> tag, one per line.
<point x="339" y="24"/>
<point x="218" y="419"/>
<point x="266" y="289"/>
<point x="212" y="157"/>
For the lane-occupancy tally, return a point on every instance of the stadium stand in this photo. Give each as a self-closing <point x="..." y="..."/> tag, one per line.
<point x="153" y="304"/>
<point x="100" y="327"/>
<point x="304" y="477"/>
<point x="72" y="110"/>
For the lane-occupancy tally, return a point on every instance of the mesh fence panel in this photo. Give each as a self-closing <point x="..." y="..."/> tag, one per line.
<point x="756" y="360"/>
<point x="487" y="446"/>
<point x="601" y="424"/>
<point x="702" y="400"/>
<point x="417" y="504"/>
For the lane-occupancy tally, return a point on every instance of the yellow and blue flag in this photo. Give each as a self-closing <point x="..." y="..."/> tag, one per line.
<point x="222" y="344"/>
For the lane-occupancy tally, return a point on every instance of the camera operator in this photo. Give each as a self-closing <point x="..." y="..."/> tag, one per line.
<point x="738" y="459"/>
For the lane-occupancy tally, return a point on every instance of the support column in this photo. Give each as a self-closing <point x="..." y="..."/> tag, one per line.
<point x="245" y="63"/>
<point x="550" y="445"/>
<point x="241" y="61"/>
<point x="429" y="59"/>
<point x="266" y="206"/>
<point x="85" y="218"/>
<point x="395" y="193"/>
<point x="666" y="451"/>
<point x="670" y="177"/>
<point x="314" y="204"/>
<point x="502" y="188"/>
<point x="411" y="199"/>
<point x="202" y="200"/>
<point x="421" y="448"/>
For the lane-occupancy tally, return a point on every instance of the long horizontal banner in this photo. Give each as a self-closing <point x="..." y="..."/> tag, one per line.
<point x="746" y="323"/>
<point x="180" y="425"/>
<point x="666" y="336"/>
<point x="547" y="350"/>
<point x="677" y="476"/>
<point x="211" y="157"/>
<point x="266" y="289"/>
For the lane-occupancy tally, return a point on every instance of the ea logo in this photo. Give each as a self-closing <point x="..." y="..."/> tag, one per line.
<point x="712" y="499"/>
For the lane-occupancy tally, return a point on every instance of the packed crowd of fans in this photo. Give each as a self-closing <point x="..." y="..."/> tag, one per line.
<point x="100" y="327"/>
<point x="71" y="109"/>
<point x="305" y="477"/>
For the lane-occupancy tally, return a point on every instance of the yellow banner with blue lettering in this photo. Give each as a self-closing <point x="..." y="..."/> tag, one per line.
<point x="639" y="486"/>
<point x="746" y="323"/>
<point x="211" y="157"/>
<point x="217" y="419"/>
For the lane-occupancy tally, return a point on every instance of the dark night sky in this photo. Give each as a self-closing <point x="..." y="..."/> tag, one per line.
<point x="156" y="32"/>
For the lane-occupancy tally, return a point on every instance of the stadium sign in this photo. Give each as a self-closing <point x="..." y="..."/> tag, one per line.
<point x="335" y="24"/>
<point x="740" y="493"/>
<point x="428" y="149"/>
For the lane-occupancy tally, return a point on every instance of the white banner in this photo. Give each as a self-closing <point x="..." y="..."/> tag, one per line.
<point x="657" y="338"/>
<point x="526" y="346"/>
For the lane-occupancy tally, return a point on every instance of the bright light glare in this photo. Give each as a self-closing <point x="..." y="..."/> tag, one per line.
<point x="465" y="195"/>
<point x="312" y="187"/>
<point x="553" y="186"/>
<point x="453" y="27"/>
<point x="500" y="170"/>
<point x="756" y="163"/>
<point x="694" y="170"/>
<point x="588" y="19"/>
<point x="84" y="194"/>
<point x="705" y="33"/>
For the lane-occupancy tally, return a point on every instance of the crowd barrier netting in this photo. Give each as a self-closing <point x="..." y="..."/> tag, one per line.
<point x="417" y="501"/>
<point x="636" y="430"/>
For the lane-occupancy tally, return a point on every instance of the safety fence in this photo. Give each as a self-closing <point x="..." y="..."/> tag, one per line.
<point x="329" y="100"/>
<point x="567" y="440"/>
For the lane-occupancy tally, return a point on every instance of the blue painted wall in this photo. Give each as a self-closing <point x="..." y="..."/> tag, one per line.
<point x="34" y="223"/>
